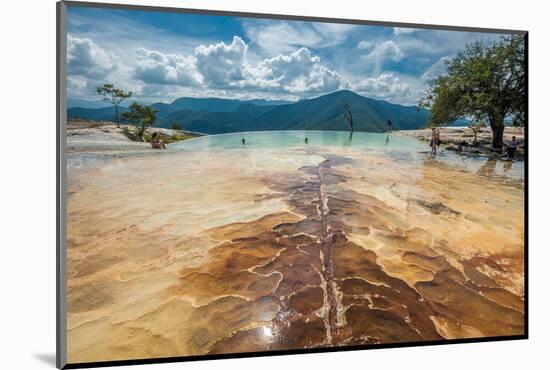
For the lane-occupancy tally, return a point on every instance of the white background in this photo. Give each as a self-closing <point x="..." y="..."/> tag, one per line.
<point x="27" y="203"/>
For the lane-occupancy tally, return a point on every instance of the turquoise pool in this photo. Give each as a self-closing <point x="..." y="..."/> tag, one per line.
<point x="397" y="146"/>
<point x="296" y="139"/>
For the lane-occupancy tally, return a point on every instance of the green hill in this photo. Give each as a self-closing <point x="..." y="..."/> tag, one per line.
<point x="215" y="116"/>
<point x="326" y="113"/>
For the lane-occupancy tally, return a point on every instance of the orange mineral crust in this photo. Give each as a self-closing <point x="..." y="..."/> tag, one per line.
<point x="200" y="252"/>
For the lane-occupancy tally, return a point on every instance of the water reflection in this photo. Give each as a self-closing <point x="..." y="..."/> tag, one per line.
<point x="349" y="139"/>
<point x="507" y="166"/>
<point x="267" y="332"/>
<point x="488" y="168"/>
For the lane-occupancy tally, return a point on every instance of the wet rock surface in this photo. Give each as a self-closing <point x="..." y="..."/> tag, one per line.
<point x="346" y="249"/>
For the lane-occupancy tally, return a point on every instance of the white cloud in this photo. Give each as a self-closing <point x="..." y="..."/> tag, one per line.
<point x="273" y="59"/>
<point x="387" y="50"/>
<point x="275" y="38"/>
<point x="224" y="69"/>
<point x="76" y="83"/>
<point x="221" y="64"/>
<point x="224" y="66"/>
<point x="403" y="31"/>
<point x="435" y="70"/>
<point x="378" y="53"/>
<point x="281" y="37"/>
<point x="77" y="86"/>
<point x="384" y="85"/>
<point x="131" y="33"/>
<point x="333" y="33"/>
<point x="365" y="45"/>
<point x="439" y="42"/>
<point x="85" y="58"/>
<point x="388" y="86"/>
<point x="300" y="71"/>
<point x="154" y="67"/>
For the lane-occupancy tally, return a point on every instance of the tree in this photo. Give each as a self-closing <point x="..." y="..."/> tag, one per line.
<point x="486" y="81"/>
<point x="176" y="125"/>
<point x="348" y="116"/>
<point x="114" y="96"/>
<point x="140" y="116"/>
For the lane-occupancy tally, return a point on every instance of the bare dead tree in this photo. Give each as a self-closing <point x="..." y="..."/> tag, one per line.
<point x="474" y="129"/>
<point x="347" y="115"/>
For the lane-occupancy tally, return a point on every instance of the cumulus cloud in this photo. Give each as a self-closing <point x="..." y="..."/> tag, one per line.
<point x="224" y="66"/>
<point x="437" y="69"/>
<point x="275" y="59"/>
<point x="300" y="71"/>
<point x="221" y="64"/>
<point x="154" y="67"/>
<point x="85" y="58"/>
<point x="388" y="86"/>
<point x="224" y="69"/>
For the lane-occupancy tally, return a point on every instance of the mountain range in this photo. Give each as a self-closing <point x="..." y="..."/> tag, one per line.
<point x="216" y="116"/>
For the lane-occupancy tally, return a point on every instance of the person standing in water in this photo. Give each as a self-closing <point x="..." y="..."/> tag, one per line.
<point x="512" y="147"/>
<point x="305" y="140"/>
<point x="389" y="125"/>
<point x="244" y="142"/>
<point x="434" y="143"/>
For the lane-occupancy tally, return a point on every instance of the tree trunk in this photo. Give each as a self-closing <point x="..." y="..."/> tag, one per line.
<point x="116" y="116"/>
<point x="497" y="127"/>
<point x="498" y="133"/>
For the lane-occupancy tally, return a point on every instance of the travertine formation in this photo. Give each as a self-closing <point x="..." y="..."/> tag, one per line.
<point x="235" y="251"/>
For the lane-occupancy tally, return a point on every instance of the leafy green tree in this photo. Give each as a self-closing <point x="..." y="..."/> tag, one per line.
<point x="176" y="125"/>
<point x="486" y="81"/>
<point x="140" y="116"/>
<point x="113" y="95"/>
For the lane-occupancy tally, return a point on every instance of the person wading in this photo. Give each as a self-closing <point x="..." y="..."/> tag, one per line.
<point x="434" y="143"/>
<point x="512" y="147"/>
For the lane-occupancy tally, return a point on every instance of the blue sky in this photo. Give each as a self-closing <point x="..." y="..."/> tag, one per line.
<point x="162" y="56"/>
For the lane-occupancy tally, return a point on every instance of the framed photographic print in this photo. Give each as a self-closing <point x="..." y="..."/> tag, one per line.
<point x="235" y="184"/>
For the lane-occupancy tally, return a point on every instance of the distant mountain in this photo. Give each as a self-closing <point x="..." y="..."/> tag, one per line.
<point x="95" y="114"/>
<point x="79" y="103"/>
<point x="217" y="104"/>
<point x="326" y="113"/>
<point x="215" y="116"/>
<point x="241" y="119"/>
<point x="208" y="122"/>
<point x="100" y="110"/>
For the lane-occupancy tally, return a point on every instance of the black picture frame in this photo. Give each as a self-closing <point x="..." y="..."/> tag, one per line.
<point x="61" y="118"/>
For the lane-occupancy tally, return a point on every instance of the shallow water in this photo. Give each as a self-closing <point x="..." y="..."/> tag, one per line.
<point x="296" y="139"/>
<point x="215" y="247"/>
<point x="400" y="147"/>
